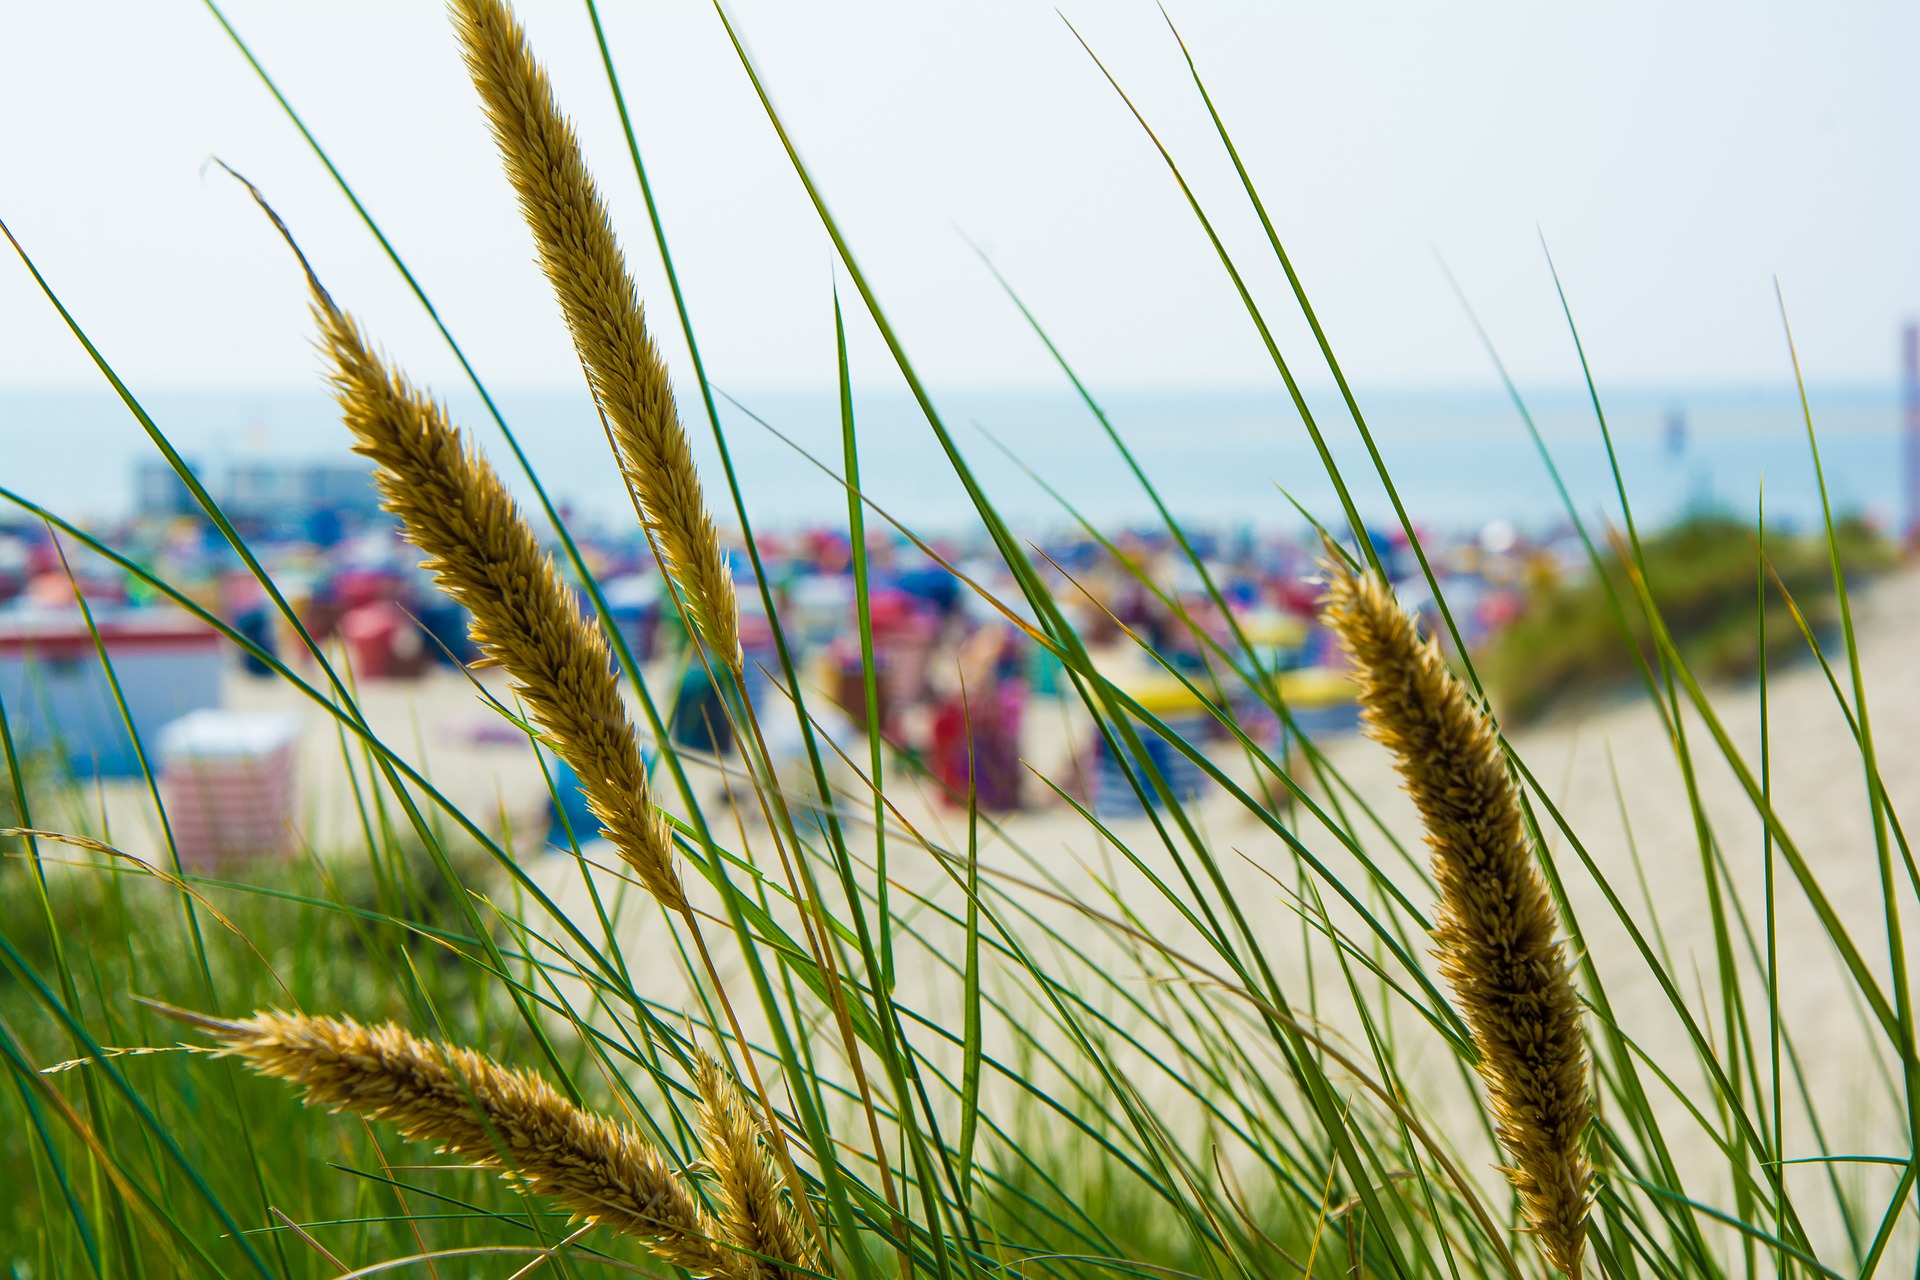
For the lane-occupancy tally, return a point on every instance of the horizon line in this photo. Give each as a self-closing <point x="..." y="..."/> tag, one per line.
<point x="1646" y="387"/>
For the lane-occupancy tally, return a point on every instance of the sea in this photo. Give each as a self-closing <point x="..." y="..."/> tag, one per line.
<point x="1227" y="459"/>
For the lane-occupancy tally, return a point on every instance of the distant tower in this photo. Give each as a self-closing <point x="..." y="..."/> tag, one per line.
<point x="1911" y="433"/>
<point x="1676" y="431"/>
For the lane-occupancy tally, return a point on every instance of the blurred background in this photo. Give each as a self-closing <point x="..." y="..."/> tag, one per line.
<point x="1675" y="161"/>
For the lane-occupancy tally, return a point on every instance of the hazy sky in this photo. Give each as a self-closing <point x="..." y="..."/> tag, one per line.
<point x="1676" y="156"/>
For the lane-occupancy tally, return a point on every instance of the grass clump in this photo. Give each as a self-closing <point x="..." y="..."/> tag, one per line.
<point x="1200" y="1038"/>
<point x="378" y="933"/>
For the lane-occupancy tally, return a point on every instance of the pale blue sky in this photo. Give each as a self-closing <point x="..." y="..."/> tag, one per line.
<point x="1677" y="156"/>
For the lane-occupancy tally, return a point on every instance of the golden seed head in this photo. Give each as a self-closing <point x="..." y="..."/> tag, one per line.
<point x="484" y="555"/>
<point x="1496" y="930"/>
<point x="757" y="1220"/>
<point x="513" y="1121"/>
<point x="584" y="264"/>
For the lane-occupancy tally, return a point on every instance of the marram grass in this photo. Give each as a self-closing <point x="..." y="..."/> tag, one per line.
<point x="484" y="555"/>
<point x="588" y="271"/>
<point x="1045" y="1074"/>
<point x="1496" y="932"/>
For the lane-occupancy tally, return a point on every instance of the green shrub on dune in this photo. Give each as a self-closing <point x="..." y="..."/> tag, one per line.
<point x="1568" y="648"/>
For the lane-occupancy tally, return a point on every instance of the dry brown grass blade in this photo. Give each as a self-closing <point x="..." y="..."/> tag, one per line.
<point x="1496" y="930"/>
<point x="159" y="873"/>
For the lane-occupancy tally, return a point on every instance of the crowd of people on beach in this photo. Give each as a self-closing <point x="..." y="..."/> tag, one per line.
<point x="933" y="644"/>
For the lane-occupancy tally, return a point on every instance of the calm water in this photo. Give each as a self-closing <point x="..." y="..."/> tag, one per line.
<point x="1460" y="458"/>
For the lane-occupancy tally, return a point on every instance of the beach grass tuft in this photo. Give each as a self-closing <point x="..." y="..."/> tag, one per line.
<point x="1186" y="1011"/>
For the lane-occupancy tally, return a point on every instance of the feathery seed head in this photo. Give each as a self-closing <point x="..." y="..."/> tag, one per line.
<point x="757" y="1221"/>
<point x="583" y="262"/>
<point x="468" y="1105"/>
<point x="1496" y="930"/>
<point x="484" y="555"/>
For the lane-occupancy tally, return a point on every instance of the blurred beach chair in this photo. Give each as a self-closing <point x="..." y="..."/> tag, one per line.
<point x="227" y="778"/>
<point x="1185" y="714"/>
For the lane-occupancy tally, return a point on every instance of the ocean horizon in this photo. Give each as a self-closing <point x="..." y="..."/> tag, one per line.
<point x="1459" y="457"/>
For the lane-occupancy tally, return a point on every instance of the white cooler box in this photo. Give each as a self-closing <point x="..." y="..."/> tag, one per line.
<point x="228" y="781"/>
